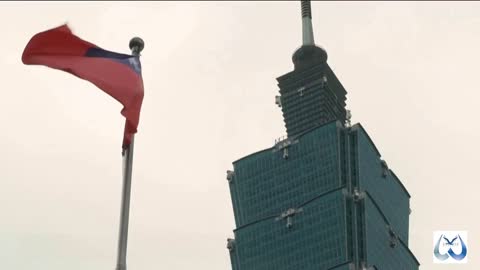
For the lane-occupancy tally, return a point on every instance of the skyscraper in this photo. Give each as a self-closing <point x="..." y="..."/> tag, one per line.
<point x="322" y="198"/>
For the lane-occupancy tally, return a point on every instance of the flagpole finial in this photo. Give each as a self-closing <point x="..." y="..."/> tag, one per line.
<point x="136" y="45"/>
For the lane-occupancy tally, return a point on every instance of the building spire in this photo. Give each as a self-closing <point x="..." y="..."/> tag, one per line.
<point x="308" y="54"/>
<point x="307" y="28"/>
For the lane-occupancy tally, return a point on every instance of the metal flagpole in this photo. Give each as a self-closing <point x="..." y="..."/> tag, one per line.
<point x="136" y="45"/>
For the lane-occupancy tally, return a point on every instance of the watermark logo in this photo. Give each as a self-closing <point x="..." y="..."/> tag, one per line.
<point x="450" y="247"/>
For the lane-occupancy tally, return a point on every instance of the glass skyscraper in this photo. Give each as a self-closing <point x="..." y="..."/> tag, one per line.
<point x="322" y="198"/>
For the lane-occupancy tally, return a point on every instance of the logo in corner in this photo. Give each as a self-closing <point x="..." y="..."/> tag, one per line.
<point x="450" y="247"/>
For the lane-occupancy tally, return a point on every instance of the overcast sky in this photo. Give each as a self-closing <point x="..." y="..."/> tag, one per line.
<point x="209" y="69"/>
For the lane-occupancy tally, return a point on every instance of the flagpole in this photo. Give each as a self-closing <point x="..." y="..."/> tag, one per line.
<point x="136" y="45"/>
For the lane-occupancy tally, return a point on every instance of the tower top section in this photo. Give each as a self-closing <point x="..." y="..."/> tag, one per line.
<point x="310" y="95"/>
<point x="309" y="54"/>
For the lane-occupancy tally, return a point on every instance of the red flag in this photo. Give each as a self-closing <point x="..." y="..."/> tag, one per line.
<point x="119" y="75"/>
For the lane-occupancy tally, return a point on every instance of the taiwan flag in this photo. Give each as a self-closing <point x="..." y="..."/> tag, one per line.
<point x="119" y="75"/>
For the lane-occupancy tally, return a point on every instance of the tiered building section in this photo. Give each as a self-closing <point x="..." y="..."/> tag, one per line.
<point x="322" y="199"/>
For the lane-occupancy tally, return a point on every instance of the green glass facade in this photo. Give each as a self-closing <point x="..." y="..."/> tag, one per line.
<point x="311" y="96"/>
<point x="321" y="200"/>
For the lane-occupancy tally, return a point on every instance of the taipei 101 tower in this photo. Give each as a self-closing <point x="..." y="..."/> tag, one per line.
<point x="322" y="198"/>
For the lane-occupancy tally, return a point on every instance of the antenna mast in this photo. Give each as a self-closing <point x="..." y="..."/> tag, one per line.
<point x="307" y="28"/>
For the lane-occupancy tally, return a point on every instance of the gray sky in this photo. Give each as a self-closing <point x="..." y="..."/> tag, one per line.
<point x="410" y="69"/>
